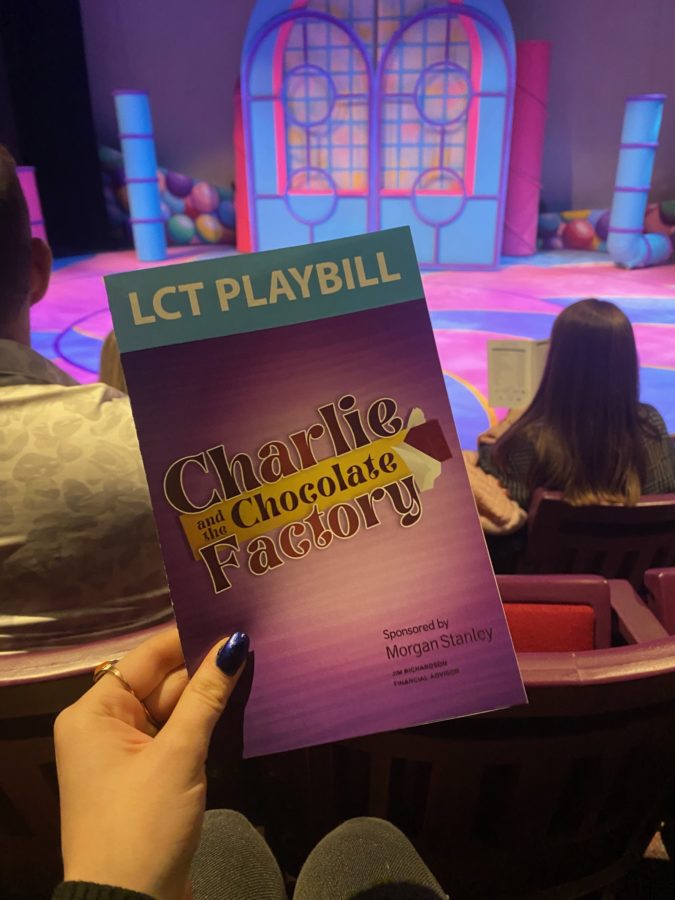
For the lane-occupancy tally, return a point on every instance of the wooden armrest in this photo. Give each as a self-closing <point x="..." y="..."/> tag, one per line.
<point x="636" y="621"/>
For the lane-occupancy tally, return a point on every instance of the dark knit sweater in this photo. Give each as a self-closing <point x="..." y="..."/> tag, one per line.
<point x="83" y="890"/>
<point x="660" y="453"/>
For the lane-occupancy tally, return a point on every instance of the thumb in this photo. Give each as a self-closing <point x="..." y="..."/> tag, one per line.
<point x="205" y="697"/>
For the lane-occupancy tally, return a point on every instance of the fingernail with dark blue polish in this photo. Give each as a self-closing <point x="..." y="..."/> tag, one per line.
<point x="232" y="654"/>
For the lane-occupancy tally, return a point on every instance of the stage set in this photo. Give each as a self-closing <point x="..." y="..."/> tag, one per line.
<point x="356" y="115"/>
<point x="467" y="308"/>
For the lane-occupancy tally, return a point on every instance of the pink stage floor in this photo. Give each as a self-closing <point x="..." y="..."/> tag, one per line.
<point x="467" y="308"/>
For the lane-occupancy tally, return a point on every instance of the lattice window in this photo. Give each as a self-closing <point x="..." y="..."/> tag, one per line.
<point x="425" y="95"/>
<point x="326" y="100"/>
<point x="374" y="21"/>
<point x="426" y="92"/>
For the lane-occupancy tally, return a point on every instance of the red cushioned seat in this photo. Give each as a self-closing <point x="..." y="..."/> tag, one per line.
<point x="550" y="628"/>
<point x="557" y="613"/>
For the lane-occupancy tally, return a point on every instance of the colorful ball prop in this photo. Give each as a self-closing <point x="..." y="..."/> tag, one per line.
<point x="579" y="234"/>
<point x="209" y="229"/>
<point x="175" y="204"/>
<point x="652" y="221"/>
<point x="181" y="229"/>
<point x="226" y="213"/>
<point x="602" y="226"/>
<point x="190" y="208"/>
<point x="549" y="224"/>
<point x="193" y="212"/>
<point x="667" y="211"/>
<point x="204" y="197"/>
<point x="179" y="185"/>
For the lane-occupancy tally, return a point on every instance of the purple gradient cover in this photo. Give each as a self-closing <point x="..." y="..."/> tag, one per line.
<point x="385" y="614"/>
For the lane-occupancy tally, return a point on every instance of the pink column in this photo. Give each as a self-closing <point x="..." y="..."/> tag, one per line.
<point x="30" y="191"/>
<point x="527" y="148"/>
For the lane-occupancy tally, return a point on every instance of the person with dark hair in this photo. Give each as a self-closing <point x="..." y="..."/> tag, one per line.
<point x="130" y="758"/>
<point x="80" y="557"/>
<point x="585" y="433"/>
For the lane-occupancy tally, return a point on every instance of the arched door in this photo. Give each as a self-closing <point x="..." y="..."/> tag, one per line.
<point x="306" y="96"/>
<point x="368" y="114"/>
<point x="444" y="97"/>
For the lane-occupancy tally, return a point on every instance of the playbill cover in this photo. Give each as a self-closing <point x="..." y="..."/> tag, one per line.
<point x="309" y="487"/>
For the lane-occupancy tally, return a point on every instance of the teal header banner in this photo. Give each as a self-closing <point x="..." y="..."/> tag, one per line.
<point x="211" y="298"/>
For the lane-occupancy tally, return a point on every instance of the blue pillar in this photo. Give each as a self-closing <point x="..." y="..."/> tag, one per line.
<point x="628" y="246"/>
<point x="134" y="122"/>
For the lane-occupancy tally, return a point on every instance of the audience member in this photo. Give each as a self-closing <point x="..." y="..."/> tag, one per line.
<point x="585" y="432"/>
<point x="110" y="368"/>
<point x="73" y="494"/>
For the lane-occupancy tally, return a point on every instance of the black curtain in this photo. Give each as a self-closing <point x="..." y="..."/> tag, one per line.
<point x="46" y="119"/>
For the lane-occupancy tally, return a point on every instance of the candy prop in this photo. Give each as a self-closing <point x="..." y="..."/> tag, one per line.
<point x="533" y="59"/>
<point x="182" y="204"/>
<point x="628" y="246"/>
<point x="140" y="166"/>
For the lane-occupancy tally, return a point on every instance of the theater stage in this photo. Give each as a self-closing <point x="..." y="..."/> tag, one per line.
<point x="520" y="300"/>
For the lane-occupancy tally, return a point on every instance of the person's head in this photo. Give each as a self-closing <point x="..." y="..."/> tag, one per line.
<point x="584" y="420"/>
<point x="25" y="262"/>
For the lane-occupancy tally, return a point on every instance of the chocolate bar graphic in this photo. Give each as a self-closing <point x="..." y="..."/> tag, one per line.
<point x="429" y="438"/>
<point x="423" y="450"/>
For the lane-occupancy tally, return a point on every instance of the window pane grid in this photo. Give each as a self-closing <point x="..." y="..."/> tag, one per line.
<point x="424" y="110"/>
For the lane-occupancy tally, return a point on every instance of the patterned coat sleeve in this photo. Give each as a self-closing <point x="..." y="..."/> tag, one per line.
<point x="514" y="476"/>
<point x="660" y="477"/>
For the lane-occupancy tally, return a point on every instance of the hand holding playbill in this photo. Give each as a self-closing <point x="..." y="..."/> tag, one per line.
<point x="132" y="797"/>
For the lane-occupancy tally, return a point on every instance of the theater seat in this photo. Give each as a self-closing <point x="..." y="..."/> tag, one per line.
<point x="550" y="627"/>
<point x="590" y="612"/>
<point x="548" y="801"/>
<point x="34" y="687"/>
<point x="660" y="585"/>
<point x="613" y="541"/>
<point x="551" y="800"/>
<point x="557" y="613"/>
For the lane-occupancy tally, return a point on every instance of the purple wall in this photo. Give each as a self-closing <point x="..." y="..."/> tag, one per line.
<point x="603" y="50"/>
<point x="187" y="56"/>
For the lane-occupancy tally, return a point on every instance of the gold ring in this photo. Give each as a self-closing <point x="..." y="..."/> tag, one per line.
<point x="109" y="668"/>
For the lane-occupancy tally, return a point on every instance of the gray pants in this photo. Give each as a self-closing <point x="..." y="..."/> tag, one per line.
<point x="363" y="859"/>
